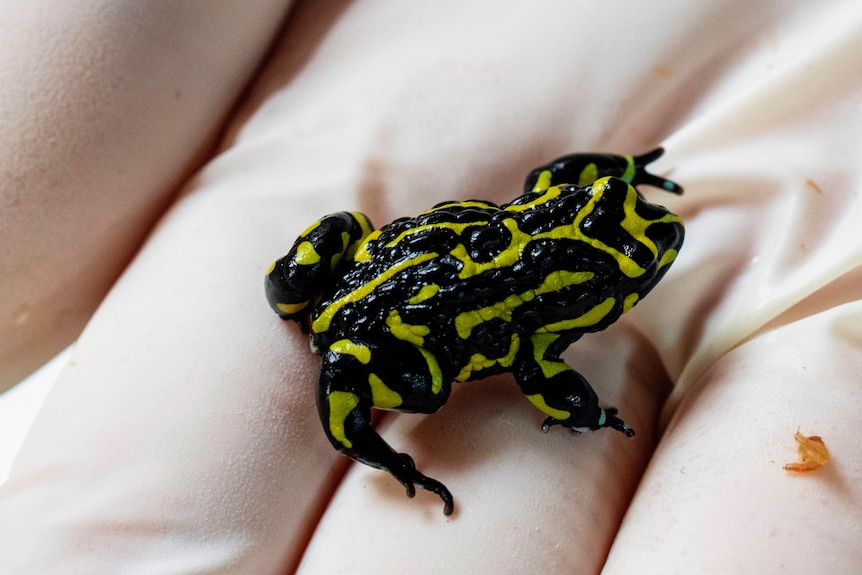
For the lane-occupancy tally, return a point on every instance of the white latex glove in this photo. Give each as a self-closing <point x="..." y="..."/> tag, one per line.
<point x="183" y="436"/>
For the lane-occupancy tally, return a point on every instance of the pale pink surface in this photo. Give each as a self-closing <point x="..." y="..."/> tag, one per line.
<point x="183" y="437"/>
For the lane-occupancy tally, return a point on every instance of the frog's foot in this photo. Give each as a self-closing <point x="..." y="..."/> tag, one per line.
<point x="607" y="418"/>
<point x="362" y="443"/>
<point x="643" y="177"/>
<point x="410" y="478"/>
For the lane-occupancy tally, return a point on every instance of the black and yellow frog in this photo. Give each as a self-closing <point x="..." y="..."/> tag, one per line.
<point x="469" y="289"/>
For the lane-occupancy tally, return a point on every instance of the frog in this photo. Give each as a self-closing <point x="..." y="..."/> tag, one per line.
<point x="469" y="289"/>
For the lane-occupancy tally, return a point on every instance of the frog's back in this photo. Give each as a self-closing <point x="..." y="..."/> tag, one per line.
<point x="467" y="275"/>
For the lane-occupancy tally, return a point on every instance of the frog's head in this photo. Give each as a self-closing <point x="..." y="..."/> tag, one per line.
<point x="663" y="233"/>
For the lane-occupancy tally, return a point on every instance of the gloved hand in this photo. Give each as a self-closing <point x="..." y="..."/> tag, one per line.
<point x="183" y="434"/>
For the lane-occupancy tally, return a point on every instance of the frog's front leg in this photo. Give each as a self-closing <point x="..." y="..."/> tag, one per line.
<point x="559" y="391"/>
<point x="584" y="169"/>
<point x="351" y="383"/>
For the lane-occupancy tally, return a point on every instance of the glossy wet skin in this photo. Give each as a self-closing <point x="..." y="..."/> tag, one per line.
<point x="468" y="289"/>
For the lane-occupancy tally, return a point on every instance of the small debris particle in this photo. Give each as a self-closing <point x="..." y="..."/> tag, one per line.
<point x="812" y="452"/>
<point x="813" y="185"/>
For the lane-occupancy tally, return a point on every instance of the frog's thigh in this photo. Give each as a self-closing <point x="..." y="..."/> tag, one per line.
<point x="407" y="377"/>
<point x="343" y="397"/>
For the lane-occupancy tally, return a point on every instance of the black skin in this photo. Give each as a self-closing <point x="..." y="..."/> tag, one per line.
<point x="324" y="296"/>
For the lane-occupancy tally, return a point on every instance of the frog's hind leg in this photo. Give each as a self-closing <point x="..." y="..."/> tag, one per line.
<point x="347" y="391"/>
<point x="558" y="390"/>
<point x="294" y="281"/>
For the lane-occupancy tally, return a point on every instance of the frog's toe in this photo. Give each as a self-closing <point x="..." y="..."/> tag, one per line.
<point x="411" y="478"/>
<point x="611" y="420"/>
<point x="435" y="486"/>
<point x="644" y="177"/>
<point x="546" y="425"/>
